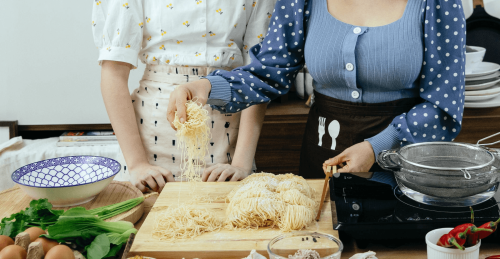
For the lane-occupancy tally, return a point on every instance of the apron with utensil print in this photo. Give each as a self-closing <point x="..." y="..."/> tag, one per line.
<point x="334" y="125"/>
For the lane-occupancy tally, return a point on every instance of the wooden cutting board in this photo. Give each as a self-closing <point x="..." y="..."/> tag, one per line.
<point x="14" y="200"/>
<point x="222" y="244"/>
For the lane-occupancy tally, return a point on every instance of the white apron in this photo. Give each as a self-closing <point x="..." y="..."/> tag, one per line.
<point x="150" y="102"/>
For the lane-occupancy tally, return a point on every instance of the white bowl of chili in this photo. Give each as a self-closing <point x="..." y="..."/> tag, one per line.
<point x="438" y="252"/>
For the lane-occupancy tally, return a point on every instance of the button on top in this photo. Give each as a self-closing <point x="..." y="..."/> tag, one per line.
<point x="357" y="30"/>
<point x="355" y="94"/>
<point x="349" y="66"/>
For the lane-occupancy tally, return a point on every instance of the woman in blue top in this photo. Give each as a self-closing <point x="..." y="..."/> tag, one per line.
<point x="386" y="73"/>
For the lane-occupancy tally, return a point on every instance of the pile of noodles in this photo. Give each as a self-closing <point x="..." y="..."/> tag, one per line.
<point x="267" y="200"/>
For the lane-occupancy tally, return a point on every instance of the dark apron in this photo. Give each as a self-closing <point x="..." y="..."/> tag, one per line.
<point x="353" y="122"/>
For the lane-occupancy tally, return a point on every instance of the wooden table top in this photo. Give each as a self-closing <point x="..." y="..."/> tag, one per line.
<point x="406" y="251"/>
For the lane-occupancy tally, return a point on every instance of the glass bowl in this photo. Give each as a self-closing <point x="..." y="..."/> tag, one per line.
<point x="282" y="246"/>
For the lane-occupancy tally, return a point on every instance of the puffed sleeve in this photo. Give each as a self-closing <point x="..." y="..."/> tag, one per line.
<point x="439" y="116"/>
<point x="117" y="28"/>
<point x="275" y="62"/>
<point x="257" y="26"/>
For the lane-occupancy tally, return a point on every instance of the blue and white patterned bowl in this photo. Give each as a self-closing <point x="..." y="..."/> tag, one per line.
<point x="67" y="181"/>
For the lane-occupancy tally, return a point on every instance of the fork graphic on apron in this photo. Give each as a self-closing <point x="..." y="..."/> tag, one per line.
<point x="321" y="130"/>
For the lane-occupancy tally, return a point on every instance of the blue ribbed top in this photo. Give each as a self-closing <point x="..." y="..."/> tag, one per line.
<point x="373" y="51"/>
<point x="420" y="55"/>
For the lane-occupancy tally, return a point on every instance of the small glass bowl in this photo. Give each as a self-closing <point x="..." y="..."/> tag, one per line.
<point x="328" y="246"/>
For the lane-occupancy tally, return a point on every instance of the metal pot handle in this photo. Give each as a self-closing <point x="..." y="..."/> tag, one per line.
<point x="488" y="144"/>
<point x="386" y="162"/>
<point x="466" y="174"/>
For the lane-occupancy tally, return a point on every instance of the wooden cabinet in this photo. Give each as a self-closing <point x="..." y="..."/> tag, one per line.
<point x="278" y="150"/>
<point x="279" y="145"/>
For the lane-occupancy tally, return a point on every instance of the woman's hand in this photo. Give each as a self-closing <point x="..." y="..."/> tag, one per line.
<point x="220" y="172"/>
<point x="358" y="158"/>
<point x="154" y="177"/>
<point x="197" y="90"/>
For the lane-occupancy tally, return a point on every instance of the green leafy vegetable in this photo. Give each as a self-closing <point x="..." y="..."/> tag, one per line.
<point x="114" y="250"/>
<point x="38" y="214"/>
<point x="97" y="236"/>
<point x="77" y="222"/>
<point x="99" y="248"/>
<point x="118" y="239"/>
<point x="84" y="228"/>
<point x="110" y="211"/>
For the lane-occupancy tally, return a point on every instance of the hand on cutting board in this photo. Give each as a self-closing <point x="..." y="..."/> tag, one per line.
<point x="357" y="158"/>
<point x="197" y="90"/>
<point x="146" y="176"/>
<point x="221" y="172"/>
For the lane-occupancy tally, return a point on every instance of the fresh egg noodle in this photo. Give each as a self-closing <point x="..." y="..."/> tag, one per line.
<point x="185" y="222"/>
<point x="189" y="221"/>
<point x="193" y="137"/>
<point x="267" y="200"/>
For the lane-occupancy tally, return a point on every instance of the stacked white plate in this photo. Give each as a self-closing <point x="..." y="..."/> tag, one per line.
<point x="482" y="86"/>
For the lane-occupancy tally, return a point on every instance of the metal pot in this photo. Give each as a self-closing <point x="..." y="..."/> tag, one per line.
<point x="443" y="169"/>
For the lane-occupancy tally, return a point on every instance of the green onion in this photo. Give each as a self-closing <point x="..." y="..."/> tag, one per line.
<point x="112" y="210"/>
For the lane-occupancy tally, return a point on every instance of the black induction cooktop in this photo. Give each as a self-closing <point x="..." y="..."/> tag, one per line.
<point x="370" y="211"/>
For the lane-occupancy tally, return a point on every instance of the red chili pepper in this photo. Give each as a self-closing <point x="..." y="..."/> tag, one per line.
<point x="461" y="228"/>
<point x="472" y="229"/>
<point x="447" y="240"/>
<point x="462" y="236"/>
<point x="492" y="225"/>
<point x="472" y="234"/>
<point x="472" y="239"/>
<point x="493" y="257"/>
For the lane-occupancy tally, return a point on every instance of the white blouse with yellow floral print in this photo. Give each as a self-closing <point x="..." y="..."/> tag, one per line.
<point x="180" y="32"/>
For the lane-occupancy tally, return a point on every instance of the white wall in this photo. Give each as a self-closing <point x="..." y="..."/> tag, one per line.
<point x="48" y="69"/>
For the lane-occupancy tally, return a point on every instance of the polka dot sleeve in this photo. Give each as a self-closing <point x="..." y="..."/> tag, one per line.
<point x="442" y="80"/>
<point x="275" y="62"/>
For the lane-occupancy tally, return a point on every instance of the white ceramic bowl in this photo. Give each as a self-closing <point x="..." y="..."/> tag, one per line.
<point x="438" y="252"/>
<point x="472" y="59"/>
<point x="67" y="181"/>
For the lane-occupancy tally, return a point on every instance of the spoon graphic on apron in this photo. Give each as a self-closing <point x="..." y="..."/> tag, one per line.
<point x="333" y="130"/>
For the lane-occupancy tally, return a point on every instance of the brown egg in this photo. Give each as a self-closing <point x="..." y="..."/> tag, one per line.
<point x="5" y="241"/>
<point x="60" y="252"/>
<point x="13" y="252"/>
<point x="35" y="232"/>
<point x="46" y="243"/>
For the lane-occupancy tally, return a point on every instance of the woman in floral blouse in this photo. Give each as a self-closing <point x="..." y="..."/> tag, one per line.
<point x="180" y="41"/>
